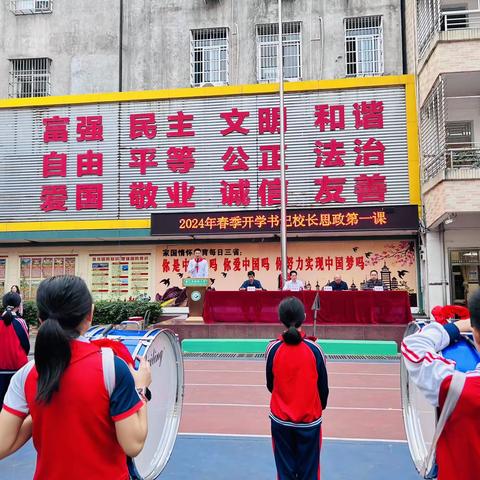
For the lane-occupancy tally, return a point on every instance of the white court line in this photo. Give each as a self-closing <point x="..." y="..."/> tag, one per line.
<point x="263" y="372"/>
<point x="263" y="386"/>
<point x="253" y="405"/>
<point x="246" y="435"/>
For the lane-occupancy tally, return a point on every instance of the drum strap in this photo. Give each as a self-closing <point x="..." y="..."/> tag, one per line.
<point x="454" y="392"/>
<point x="108" y="367"/>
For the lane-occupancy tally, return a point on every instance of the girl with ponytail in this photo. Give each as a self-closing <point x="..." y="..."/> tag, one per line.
<point x="14" y="342"/>
<point x="62" y="396"/>
<point x="297" y="379"/>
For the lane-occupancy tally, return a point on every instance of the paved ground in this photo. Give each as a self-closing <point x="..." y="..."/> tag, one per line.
<point x="225" y="428"/>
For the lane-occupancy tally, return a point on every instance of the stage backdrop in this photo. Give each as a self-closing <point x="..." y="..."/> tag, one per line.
<point x="315" y="261"/>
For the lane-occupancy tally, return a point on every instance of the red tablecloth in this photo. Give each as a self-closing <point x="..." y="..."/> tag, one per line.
<point x="360" y="307"/>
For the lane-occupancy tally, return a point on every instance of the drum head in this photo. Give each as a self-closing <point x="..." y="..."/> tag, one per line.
<point x="164" y="410"/>
<point x="419" y="416"/>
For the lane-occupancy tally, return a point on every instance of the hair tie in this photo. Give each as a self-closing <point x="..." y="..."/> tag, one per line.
<point x="10" y="308"/>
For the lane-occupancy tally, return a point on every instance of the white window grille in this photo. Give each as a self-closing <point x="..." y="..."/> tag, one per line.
<point x="209" y="57"/>
<point x="267" y="52"/>
<point x="459" y="134"/>
<point x="28" y="7"/>
<point x="29" y="77"/>
<point x="364" y="46"/>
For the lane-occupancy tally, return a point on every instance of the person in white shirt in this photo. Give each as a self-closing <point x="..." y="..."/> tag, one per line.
<point x="294" y="285"/>
<point x="197" y="266"/>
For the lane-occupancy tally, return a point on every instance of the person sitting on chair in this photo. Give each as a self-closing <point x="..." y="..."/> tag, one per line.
<point x="251" y="282"/>
<point x="294" y="285"/>
<point x="338" y="283"/>
<point x="374" y="281"/>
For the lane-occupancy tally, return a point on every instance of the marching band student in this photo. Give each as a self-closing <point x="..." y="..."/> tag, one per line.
<point x="458" y="448"/>
<point x="14" y="341"/>
<point x="83" y="425"/>
<point x="297" y="379"/>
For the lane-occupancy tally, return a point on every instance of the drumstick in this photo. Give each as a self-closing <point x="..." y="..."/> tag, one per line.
<point x="107" y="330"/>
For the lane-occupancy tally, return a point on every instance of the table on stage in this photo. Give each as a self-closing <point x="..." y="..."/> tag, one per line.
<point x="344" y="307"/>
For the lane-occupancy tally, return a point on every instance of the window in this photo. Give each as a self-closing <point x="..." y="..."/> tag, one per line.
<point x="29" y="78"/>
<point x="459" y="135"/>
<point x="267" y="51"/>
<point x="209" y="56"/>
<point x="364" y="46"/>
<point x="28" y="7"/>
<point x="35" y="269"/>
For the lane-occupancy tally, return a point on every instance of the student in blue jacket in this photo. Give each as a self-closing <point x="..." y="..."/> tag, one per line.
<point x="297" y="378"/>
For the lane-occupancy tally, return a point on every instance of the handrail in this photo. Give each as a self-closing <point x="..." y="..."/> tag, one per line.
<point x="460" y="19"/>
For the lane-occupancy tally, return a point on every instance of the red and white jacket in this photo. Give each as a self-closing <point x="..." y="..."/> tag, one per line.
<point x="458" y="449"/>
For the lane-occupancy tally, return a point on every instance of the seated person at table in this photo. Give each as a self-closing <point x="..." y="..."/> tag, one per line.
<point x="374" y="281"/>
<point x="338" y="283"/>
<point x="294" y="285"/>
<point x="251" y="282"/>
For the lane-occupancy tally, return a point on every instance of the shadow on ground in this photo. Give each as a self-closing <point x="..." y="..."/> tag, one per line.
<point x="238" y="458"/>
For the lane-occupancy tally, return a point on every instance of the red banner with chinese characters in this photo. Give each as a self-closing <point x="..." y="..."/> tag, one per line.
<point x="268" y="221"/>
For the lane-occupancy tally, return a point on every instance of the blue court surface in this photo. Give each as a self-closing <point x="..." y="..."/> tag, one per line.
<point x="197" y="457"/>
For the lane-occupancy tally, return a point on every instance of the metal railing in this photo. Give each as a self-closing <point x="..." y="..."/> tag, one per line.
<point x="465" y="157"/>
<point x="460" y="19"/>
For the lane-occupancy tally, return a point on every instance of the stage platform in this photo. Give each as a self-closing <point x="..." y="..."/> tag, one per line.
<point x="184" y="329"/>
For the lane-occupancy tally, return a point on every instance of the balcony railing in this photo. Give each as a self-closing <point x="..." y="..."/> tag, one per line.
<point x="468" y="157"/>
<point x="29" y="7"/>
<point x="465" y="157"/>
<point x="460" y="19"/>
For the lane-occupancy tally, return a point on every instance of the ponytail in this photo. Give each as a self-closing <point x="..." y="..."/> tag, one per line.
<point x="63" y="303"/>
<point x="52" y="356"/>
<point x="10" y="301"/>
<point x="292" y="314"/>
<point x="8" y="316"/>
<point x="292" y="336"/>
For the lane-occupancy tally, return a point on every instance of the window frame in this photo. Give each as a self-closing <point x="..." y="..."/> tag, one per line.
<point x="19" y="76"/>
<point x="375" y="38"/>
<point x="195" y="50"/>
<point x="274" y="44"/>
<point x="31" y="7"/>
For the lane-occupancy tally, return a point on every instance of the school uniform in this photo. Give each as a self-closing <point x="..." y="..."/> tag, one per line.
<point x="198" y="269"/>
<point x="74" y="434"/>
<point x="14" y="348"/>
<point x="458" y="448"/>
<point x="297" y="379"/>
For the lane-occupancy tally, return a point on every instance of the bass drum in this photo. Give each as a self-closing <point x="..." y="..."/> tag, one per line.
<point x="162" y="349"/>
<point x="419" y="416"/>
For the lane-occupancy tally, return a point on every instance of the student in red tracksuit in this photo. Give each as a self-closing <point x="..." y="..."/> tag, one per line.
<point x="81" y="429"/>
<point x="14" y="342"/>
<point x="297" y="379"/>
<point x="458" y="448"/>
